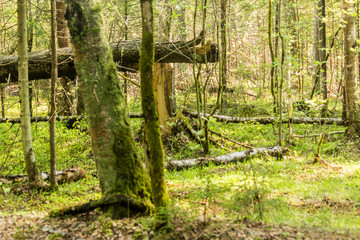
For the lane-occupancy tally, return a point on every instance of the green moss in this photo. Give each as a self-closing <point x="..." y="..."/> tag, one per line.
<point x="119" y="168"/>
<point x="96" y="8"/>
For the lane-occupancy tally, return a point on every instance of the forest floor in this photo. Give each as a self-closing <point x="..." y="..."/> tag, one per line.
<point x="88" y="226"/>
<point x="262" y="198"/>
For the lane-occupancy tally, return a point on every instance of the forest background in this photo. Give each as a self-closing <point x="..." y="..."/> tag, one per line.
<point x="279" y="62"/>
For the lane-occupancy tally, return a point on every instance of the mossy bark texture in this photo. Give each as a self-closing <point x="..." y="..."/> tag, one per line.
<point x="119" y="168"/>
<point x="154" y="152"/>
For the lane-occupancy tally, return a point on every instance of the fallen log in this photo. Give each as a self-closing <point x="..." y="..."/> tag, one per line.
<point x="125" y="53"/>
<point x="271" y="120"/>
<point x="68" y="175"/>
<point x="225" y="159"/>
<point x="59" y="118"/>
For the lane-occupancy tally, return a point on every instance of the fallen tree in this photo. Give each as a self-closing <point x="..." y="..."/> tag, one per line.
<point x="225" y="159"/>
<point x="68" y="175"/>
<point x="125" y="53"/>
<point x="59" y="118"/>
<point x="270" y="120"/>
<point x="219" y="118"/>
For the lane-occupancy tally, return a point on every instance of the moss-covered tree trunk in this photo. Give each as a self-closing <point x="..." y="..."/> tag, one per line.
<point x="154" y="152"/>
<point x="31" y="167"/>
<point x="119" y="168"/>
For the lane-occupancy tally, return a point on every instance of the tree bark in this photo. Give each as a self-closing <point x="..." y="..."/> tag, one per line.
<point x="126" y="53"/>
<point x="226" y="159"/>
<point x="320" y="47"/>
<point x="31" y="167"/>
<point x="59" y="118"/>
<point x="119" y="168"/>
<point x="154" y="150"/>
<point x="2" y="93"/>
<point x="66" y="99"/>
<point x="163" y="75"/>
<point x="350" y="84"/>
<point x="272" y="120"/>
<point x="54" y="76"/>
<point x="62" y="30"/>
<point x="223" y="61"/>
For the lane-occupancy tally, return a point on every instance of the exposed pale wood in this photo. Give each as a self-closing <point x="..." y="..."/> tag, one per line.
<point x="224" y="159"/>
<point x="271" y="120"/>
<point x="68" y="175"/>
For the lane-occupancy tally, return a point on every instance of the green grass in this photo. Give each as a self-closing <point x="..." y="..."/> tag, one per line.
<point x="290" y="191"/>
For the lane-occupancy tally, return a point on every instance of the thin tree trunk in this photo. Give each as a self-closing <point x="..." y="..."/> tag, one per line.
<point x="152" y="125"/>
<point x="126" y="33"/>
<point x="31" y="167"/>
<point x="272" y="55"/>
<point x="2" y="89"/>
<point x="323" y="67"/>
<point x="119" y="168"/>
<point x="54" y="76"/>
<point x="349" y="65"/>
<point x="320" y="47"/>
<point x="223" y="61"/>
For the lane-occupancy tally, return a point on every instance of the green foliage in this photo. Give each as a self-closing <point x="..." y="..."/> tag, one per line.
<point x="73" y="147"/>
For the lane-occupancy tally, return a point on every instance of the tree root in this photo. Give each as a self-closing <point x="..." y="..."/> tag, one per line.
<point x="117" y="205"/>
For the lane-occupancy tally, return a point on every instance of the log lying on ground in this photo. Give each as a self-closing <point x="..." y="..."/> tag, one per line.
<point x="126" y="54"/>
<point x="68" y="175"/>
<point x="225" y="159"/>
<point x="59" y="118"/>
<point x="271" y="120"/>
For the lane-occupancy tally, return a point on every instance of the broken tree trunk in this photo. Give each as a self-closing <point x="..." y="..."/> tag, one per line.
<point x="271" y="120"/>
<point x="225" y="159"/>
<point x="126" y="54"/>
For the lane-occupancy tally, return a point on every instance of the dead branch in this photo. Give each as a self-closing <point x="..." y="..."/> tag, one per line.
<point x="231" y="140"/>
<point x="319" y="135"/>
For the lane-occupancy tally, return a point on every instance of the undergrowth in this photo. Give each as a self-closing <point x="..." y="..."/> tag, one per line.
<point x="291" y="191"/>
